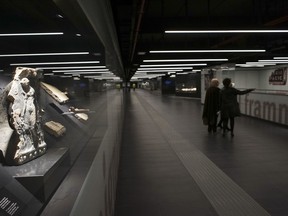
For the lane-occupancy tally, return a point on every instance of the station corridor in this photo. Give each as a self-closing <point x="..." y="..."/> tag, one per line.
<point x="171" y="166"/>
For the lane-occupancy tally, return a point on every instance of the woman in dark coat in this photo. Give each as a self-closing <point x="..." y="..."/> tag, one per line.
<point x="212" y="105"/>
<point x="229" y="106"/>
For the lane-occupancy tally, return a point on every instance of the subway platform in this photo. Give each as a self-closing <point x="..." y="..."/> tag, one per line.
<point x="171" y="166"/>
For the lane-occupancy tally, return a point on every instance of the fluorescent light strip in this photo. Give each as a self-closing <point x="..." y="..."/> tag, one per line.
<point x="85" y="70"/>
<point x="151" y="71"/>
<point x="226" y="31"/>
<point x="249" y="65"/>
<point x="44" y="54"/>
<point x="183" y="73"/>
<point x="166" y="68"/>
<point x="143" y="74"/>
<point x="279" y="58"/>
<point x="73" y="73"/>
<point x="260" y="63"/>
<point x="172" y="65"/>
<point x="107" y="78"/>
<point x="80" y="67"/>
<point x="183" y="60"/>
<point x="273" y="60"/>
<point x="55" y="63"/>
<point x="78" y="74"/>
<point x="31" y="34"/>
<point x="99" y="76"/>
<point x="204" y="51"/>
<point x="151" y="76"/>
<point x="147" y="73"/>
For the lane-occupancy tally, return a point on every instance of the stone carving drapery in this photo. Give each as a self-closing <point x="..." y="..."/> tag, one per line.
<point x="24" y="117"/>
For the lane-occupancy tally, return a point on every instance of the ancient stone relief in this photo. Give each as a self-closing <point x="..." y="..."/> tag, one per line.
<point x="79" y="113"/>
<point x="20" y="118"/>
<point x="54" y="128"/>
<point x="54" y="92"/>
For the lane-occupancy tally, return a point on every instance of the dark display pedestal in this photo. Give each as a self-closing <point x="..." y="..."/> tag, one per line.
<point x="15" y="200"/>
<point x="42" y="176"/>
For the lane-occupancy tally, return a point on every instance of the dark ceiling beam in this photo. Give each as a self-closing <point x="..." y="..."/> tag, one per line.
<point x="160" y="24"/>
<point x="233" y="39"/>
<point x="77" y="17"/>
<point x="139" y="21"/>
<point x="124" y="18"/>
<point x="98" y="13"/>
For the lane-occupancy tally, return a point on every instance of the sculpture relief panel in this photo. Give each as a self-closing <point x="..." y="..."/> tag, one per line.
<point x="20" y="101"/>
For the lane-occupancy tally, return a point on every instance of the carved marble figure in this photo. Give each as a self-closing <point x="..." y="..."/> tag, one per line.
<point x="24" y="117"/>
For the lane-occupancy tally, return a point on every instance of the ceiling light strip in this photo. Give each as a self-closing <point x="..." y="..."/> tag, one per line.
<point x="206" y="51"/>
<point x="43" y="54"/>
<point x="149" y="75"/>
<point x="84" y="70"/>
<point x="174" y="65"/>
<point x="260" y="63"/>
<point x="31" y="34"/>
<point x="99" y="73"/>
<point x="249" y="65"/>
<point x="105" y="78"/>
<point x="183" y="73"/>
<point x="280" y="58"/>
<point x="151" y="71"/>
<point x="166" y="68"/>
<point x="143" y="74"/>
<point x="56" y="63"/>
<point x="76" y="67"/>
<point x="183" y="60"/>
<point x="273" y="60"/>
<point x="224" y="31"/>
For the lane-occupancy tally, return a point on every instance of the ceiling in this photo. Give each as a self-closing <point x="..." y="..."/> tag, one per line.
<point x="68" y="17"/>
<point x="141" y="26"/>
<point x="120" y="34"/>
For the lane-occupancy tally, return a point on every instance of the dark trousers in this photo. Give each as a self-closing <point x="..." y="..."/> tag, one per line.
<point x="225" y="124"/>
<point x="212" y="125"/>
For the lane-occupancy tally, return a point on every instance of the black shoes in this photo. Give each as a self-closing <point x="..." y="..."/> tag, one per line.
<point x="220" y="126"/>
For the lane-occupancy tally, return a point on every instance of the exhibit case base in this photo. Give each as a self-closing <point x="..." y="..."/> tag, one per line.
<point x="15" y="199"/>
<point x="42" y="176"/>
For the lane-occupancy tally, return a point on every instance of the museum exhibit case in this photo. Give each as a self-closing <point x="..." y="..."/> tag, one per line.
<point x="45" y="128"/>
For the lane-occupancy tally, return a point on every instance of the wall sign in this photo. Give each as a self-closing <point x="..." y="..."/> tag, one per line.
<point x="278" y="77"/>
<point x="270" y="107"/>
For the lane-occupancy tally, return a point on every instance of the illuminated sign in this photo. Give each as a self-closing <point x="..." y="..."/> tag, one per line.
<point x="278" y="77"/>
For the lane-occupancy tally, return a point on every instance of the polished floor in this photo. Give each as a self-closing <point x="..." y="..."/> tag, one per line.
<point x="171" y="166"/>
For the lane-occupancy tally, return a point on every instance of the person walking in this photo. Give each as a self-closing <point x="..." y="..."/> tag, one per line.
<point x="229" y="106"/>
<point x="211" y="105"/>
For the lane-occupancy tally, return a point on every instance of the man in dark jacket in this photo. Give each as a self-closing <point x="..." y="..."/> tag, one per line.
<point x="229" y="105"/>
<point x="211" y="106"/>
